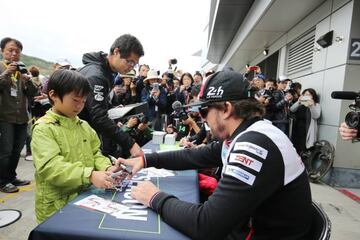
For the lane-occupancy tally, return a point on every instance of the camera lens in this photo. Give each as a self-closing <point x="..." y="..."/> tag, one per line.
<point x="352" y="119"/>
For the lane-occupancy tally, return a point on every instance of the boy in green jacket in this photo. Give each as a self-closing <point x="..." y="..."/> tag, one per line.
<point x="66" y="150"/>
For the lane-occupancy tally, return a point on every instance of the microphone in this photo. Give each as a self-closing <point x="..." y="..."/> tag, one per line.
<point x="344" y="95"/>
<point x="176" y="106"/>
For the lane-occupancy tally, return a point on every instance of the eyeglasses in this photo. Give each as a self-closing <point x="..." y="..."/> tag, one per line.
<point x="131" y="63"/>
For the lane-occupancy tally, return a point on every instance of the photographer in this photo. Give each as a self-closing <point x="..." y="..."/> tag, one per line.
<point x="282" y="101"/>
<point x="137" y="128"/>
<point x="155" y="96"/>
<point x="259" y="81"/>
<point x="139" y="80"/>
<point x="307" y="111"/>
<point x="186" y="127"/>
<point x="125" y="93"/>
<point x="264" y="96"/>
<point x="15" y="88"/>
<point x="270" y="84"/>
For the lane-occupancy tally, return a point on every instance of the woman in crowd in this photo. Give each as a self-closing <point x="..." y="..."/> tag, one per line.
<point x="307" y="111"/>
<point x="186" y="82"/>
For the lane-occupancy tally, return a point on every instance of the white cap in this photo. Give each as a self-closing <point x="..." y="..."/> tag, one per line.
<point x="283" y="78"/>
<point x="63" y="62"/>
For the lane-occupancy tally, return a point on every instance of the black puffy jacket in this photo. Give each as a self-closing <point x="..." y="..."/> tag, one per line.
<point x="100" y="77"/>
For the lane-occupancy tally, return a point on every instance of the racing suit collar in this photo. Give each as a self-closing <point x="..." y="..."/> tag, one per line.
<point x="243" y="126"/>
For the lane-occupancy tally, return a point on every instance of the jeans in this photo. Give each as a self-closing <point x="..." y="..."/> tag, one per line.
<point x="12" y="140"/>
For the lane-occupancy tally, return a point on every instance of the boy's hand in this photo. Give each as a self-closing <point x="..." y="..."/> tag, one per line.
<point x="102" y="179"/>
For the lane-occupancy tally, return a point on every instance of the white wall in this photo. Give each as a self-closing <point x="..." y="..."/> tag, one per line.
<point x="330" y="71"/>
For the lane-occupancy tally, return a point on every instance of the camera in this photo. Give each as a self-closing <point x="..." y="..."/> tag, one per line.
<point x="305" y="98"/>
<point x="21" y="67"/>
<point x="155" y="86"/>
<point x="183" y="115"/>
<point x="173" y="61"/>
<point x="140" y="117"/>
<point x="352" y="118"/>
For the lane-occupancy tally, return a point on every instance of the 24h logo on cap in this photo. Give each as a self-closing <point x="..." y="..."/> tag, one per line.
<point x="215" y="92"/>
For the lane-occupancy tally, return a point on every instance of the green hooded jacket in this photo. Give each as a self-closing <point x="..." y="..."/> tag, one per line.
<point x="65" y="152"/>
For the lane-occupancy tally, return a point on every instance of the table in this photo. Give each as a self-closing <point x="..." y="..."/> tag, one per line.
<point x="73" y="222"/>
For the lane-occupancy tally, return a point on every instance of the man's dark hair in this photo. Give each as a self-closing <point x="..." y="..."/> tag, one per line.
<point x="65" y="81"/>
<point x="245" y="109"/>
<point x="127" y="44"/>
<point x="6" y="40"/>
<point x="271" y="80"/>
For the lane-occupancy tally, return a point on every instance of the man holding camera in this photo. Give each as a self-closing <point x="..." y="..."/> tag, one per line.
<point x="263" y="192"/>
<point x="155" y="96"/>
<point x="137" y="127"/>
<point x="100" y="70"/>
<point x="15" y="87"/>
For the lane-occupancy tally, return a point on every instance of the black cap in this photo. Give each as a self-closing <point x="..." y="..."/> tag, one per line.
<point x="223" y="86"/>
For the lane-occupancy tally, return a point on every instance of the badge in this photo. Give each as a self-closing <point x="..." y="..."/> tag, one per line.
<point x="245" y="161"/>
<point x="240" y="174"/>
<point x="13" y="92"/>
<point x="252" y="148"/>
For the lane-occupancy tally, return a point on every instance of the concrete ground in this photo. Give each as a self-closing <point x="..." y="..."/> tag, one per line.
<point x="343" y="211"/>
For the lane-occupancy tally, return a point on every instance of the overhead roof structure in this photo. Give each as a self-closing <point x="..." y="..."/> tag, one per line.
<point x="239" y="30"/>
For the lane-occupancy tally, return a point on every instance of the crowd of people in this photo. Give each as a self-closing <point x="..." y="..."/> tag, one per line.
<point x="237" y="129"/>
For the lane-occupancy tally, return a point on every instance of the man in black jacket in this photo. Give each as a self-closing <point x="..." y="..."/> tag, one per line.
<point x="263" y="192"/>
<point x="100" y="70"/>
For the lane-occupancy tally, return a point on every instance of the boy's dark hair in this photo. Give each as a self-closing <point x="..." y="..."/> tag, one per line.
<point x="127" y="44"/>
<point x="6" y="40"/>
<point x="65" y="81"/>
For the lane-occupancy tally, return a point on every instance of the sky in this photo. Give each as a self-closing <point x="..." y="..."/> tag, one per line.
<point x="69" y="28"/>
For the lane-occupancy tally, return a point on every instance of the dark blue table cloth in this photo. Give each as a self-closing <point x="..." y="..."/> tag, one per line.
<point x="74" y="222"/>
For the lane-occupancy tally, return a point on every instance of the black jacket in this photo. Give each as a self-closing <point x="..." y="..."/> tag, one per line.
<point x="263" y="179"/>
<point x="100" y="77"/>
